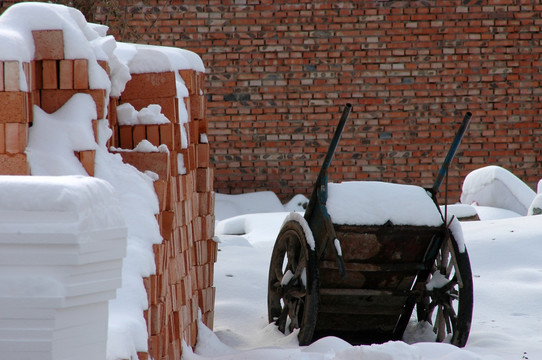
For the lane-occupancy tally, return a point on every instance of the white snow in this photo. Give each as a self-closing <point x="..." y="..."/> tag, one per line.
<point x="52" y="152"/>
<point x="337" y="245"/>
<point x="458" y="210"/>
<point x="297" y="217"/>
<point x="505" y="258"/>
<point x="146" y="146"/>
<point x="85" y="202"/>
<point x="496" y="187"/>
<point x="375" y="203"/>
<point x="152" y="114"/>
<point x="149" y="58"/>
<point x="250" y="203"/>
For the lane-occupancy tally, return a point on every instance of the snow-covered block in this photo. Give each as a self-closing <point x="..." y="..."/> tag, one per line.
<point x="63" y="240"/>
<point x="376" y="203"/>
<point x="497" y="187"/>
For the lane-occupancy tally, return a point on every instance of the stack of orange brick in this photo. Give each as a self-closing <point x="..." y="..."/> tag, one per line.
<point x="48" y="81"/>
<point x="183" y="282"/>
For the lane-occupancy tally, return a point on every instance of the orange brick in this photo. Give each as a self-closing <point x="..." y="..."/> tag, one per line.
<point x="14" y="107"/>
<point x="186" y="101"/>
<point x="95" y="129"/>
<point x="37" y="76"/>
<point x="166" y="135"/>
<point x="212" y="198"/>
<point x="66" y="74"/>
<point x="150" y="85"/>
<point x="202" y="155"/>
<point x="171" y="199"/>
<point x="190" y="80"/>
<point x="87" y="159"/>
<point x="168" y="223"/>
<point x="181" y="195"/>
<point x="125" y="137"/>
<point x="203" y="204"/>
<point x="209" y="319"/>
<point x="138" y="134"/>
<point x="200" y="78"/>
<point x="142" y="356"/>
<point x="203" y="127"/>
<point x="80" y="74"/>
<point x="153" y="134"/>
<point x="49" y="44"/>
<point x="112" y="112"/>
<point x="197" y="106"/>
<point x="27" y="75"/>
<point x="11" y="76"/>
<point x="207" y="227"/>
<point x="49" y="75"/>
<point x="212" y="247"/>
<point x="177" y="140"/>
<point x="155" y="162"/>
<point x="36" y="99"/>
<point x="193" y="131"/>
<point x="1" y="76"/>
<point x="2" y="138"/>
<point x="14" y="164"/>
<point x="191" y="154"/>
<point x="16" y="137"/>
<point x="204" y="182"/>
<point x="155" y="318"/>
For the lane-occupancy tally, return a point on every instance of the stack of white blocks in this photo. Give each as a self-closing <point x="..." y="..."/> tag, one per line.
<point x="62" y="240"/>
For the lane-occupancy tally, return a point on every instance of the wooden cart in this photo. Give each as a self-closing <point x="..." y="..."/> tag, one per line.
<point x="362" y="282"/>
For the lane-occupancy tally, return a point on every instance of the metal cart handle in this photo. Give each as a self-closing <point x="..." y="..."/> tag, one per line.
<point x="451" y="153"/>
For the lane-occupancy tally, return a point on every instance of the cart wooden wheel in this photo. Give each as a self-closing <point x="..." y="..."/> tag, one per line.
<point x="448" y="297"/>
<point x="292" y="297"/>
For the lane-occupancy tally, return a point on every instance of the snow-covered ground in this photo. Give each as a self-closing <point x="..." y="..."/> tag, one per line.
<point x="505" y="253"/>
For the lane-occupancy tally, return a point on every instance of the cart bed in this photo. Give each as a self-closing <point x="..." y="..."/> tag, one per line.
<point x="382" y="263"/>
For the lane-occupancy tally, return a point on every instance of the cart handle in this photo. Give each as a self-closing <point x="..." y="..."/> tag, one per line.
<point x="321" y="180"/>
<point x="451" y="153"/>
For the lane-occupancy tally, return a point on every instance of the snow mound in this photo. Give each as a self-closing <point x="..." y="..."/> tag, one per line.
<point x="89" y="202"/>
<point x="460" y="211"/>
<point x="376" y="203"/>
<point x="495" y="186"/>
<point x="152" y="114"/>
<point x="227" y="206"/>
<point x="297" y="203"/>
<point x="536" y="206"/>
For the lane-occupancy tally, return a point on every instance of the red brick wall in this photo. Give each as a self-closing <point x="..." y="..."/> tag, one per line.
<point x="279" y="72"/>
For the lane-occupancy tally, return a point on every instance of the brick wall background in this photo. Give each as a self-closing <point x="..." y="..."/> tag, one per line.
<point x="279" y="72"/>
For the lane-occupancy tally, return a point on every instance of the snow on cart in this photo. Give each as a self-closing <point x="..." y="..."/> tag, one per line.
<point x="369" y="258"/>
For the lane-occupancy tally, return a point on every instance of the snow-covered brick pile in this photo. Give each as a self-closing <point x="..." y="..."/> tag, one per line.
<point x="494" y="186"/>
<point x="63" y="240"/>
<point x="376" y="203"/>
<point x="62" y="81"/>
<point x="161" y="118"/>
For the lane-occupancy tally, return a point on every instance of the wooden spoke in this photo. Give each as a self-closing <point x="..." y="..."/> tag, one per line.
<point x="448" y="306"/>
